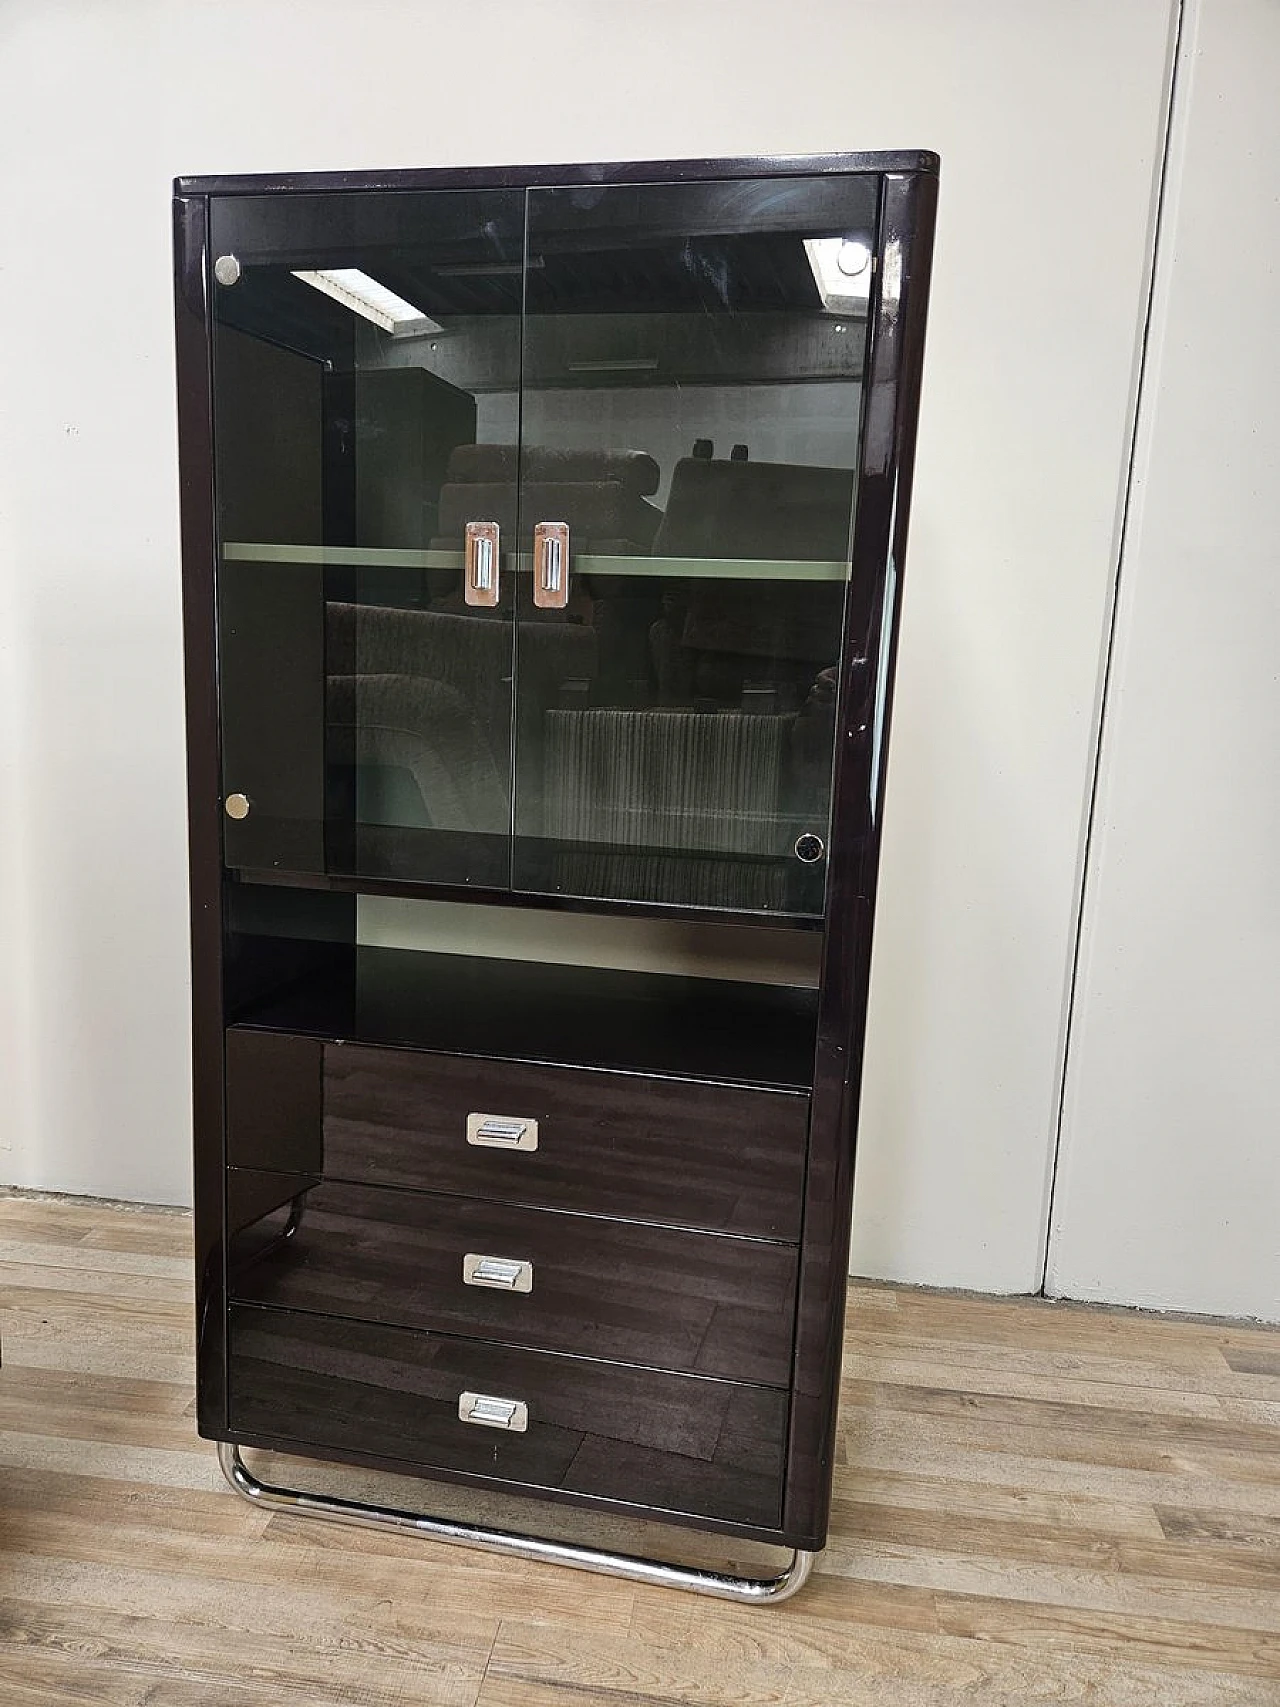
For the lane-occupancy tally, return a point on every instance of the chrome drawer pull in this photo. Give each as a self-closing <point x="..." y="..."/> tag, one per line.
<point x="507" y="1274"/>
<point x="492" y="1412"/>
<point x="480" y="563"/>
<point x="551" y="565"/>
<point x="502" y="1132"/>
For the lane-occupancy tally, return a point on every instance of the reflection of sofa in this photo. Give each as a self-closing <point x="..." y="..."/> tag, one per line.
<point x="738" y="763"/>
<point x="697" y="802"/>
<point x="602" y="495"/>
<point x="419" y="708"/>
<point x="727" y="633"/>
<point x="415" y="754"/>
<point x="700" y="784"/>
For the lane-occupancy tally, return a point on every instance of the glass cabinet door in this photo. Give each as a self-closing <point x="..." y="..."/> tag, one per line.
<point x="366" y="366"/>
<point x="693" y="358"/>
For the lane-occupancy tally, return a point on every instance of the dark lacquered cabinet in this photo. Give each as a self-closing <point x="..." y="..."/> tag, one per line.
<point x="542" y="544"/>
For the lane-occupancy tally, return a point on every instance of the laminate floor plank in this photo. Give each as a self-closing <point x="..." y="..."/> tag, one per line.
<point x="1033" y="1503"/>
<point x="893" y="1452"/>
<point x="951" y="1496"/>
<point x="1180" y="1644"/>
<point x="913" y="1357"/>
<point x="254" y="1594"/>
<point x="1102" y="1383"/>
<point x="1253" y="1360"/>
<point x="1181" y="1424"/>
<point x="368" y="1671"/>
<point x="101" y="1255"/>
<point x="791" y="1665"/>
<point x="1140" y="1453"/>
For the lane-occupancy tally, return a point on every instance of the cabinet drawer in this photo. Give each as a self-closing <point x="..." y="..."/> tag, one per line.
<point x="708" y="1303"/>
<point x="677" y="1443"/>
<point x="723" y="1158"/>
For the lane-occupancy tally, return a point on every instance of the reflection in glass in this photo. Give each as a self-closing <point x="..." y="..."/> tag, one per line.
<point x="692" y="384"/>
<point x="662" y="381"/>
<point x="367" y="701"/>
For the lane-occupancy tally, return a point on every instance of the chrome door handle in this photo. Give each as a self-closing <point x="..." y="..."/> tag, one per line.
<point x="506" y="1274"/>
<point x="502" y="1131"/>
<point x="551" y="565"/>
<point x="480" y="564"/>
<point x="492" y="1412"/>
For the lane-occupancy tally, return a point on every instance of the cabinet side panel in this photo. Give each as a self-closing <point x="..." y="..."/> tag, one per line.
<point x="879" y="542"/>
<point x="274" y="1092"/>
<point x="195" y="439"/>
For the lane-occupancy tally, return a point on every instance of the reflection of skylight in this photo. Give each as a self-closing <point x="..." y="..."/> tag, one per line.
<point x="841" y="270"/>
<point x="362" y="295"/>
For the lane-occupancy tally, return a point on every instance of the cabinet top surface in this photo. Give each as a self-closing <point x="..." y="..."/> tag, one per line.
<point x="497" y="177"/>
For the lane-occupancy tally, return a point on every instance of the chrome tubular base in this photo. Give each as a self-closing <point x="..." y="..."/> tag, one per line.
<point x="717" y="1583"/>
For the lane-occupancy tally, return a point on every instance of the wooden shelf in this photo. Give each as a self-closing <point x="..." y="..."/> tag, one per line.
<point x="516" y="1010"/>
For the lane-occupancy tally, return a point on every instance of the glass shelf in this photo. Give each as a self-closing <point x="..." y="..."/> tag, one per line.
<point x="389" y="557"/>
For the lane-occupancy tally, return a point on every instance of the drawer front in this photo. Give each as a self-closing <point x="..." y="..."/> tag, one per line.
<point x="707" y="1303"/>
<point x="675" y="1443"/>
<point x="722" y="1158"/>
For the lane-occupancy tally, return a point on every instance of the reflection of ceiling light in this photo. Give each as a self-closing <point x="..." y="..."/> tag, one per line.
<point x="363" y="295"/>
<point x="842" y="270"/>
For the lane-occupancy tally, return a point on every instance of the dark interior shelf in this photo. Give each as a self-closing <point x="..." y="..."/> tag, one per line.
<point x="281" y="877"/>
<point x="644" y="1022"/>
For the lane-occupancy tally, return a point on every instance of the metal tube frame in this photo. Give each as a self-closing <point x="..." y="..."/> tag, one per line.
<point x="719" y="1584"/>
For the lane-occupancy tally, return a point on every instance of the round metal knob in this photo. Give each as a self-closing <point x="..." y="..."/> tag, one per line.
<point x="810" y="848"/>
<point x="226" y="269"/>
<point x="237" y="806"/>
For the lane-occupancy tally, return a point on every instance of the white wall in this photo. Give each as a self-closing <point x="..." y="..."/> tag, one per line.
<point x="1047" y="117"/>
<point x="1169" y="1184"/>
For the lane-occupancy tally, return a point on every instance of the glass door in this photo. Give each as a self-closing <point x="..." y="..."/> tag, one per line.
<point x="366" y="368"/>
<point x="693" y="361"/>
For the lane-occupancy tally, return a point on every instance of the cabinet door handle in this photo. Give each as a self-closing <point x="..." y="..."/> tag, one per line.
<point x="502" y="1131"/>
<point x="506" y="1274"/>
<point x="551" y="565"/>
<point x="480" y="564"/>
<point x="489" y="1411"/>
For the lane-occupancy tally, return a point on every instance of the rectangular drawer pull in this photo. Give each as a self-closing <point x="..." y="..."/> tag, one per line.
<point x="508" y="1274"/>
<point x="492" y="1412"/>
<point x="502" y="1131"/>
<point x="480" y="563"/>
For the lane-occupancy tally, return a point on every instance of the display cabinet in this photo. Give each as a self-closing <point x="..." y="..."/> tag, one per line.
<point x="543" y="533"/>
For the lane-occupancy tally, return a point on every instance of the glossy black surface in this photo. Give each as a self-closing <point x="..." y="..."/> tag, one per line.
<point x="667" y="736"/>
<point x="195" y="424"/>
<point x="702" y="746"/>
<point x="672" y="1151"/>
<point x="366" y="708"/>
<point x="676" y="1443"/>
<point x="471" y="892"/>
<point x="749" y="1459"/>
<point x="694" y="1302"/>
<point x="880" y="537"/>
<point x="575" y="172"/>
<point x="643" y="1022"/>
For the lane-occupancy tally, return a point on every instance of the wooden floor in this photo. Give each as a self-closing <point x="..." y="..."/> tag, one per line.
<point x="1034" y="1503"/>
